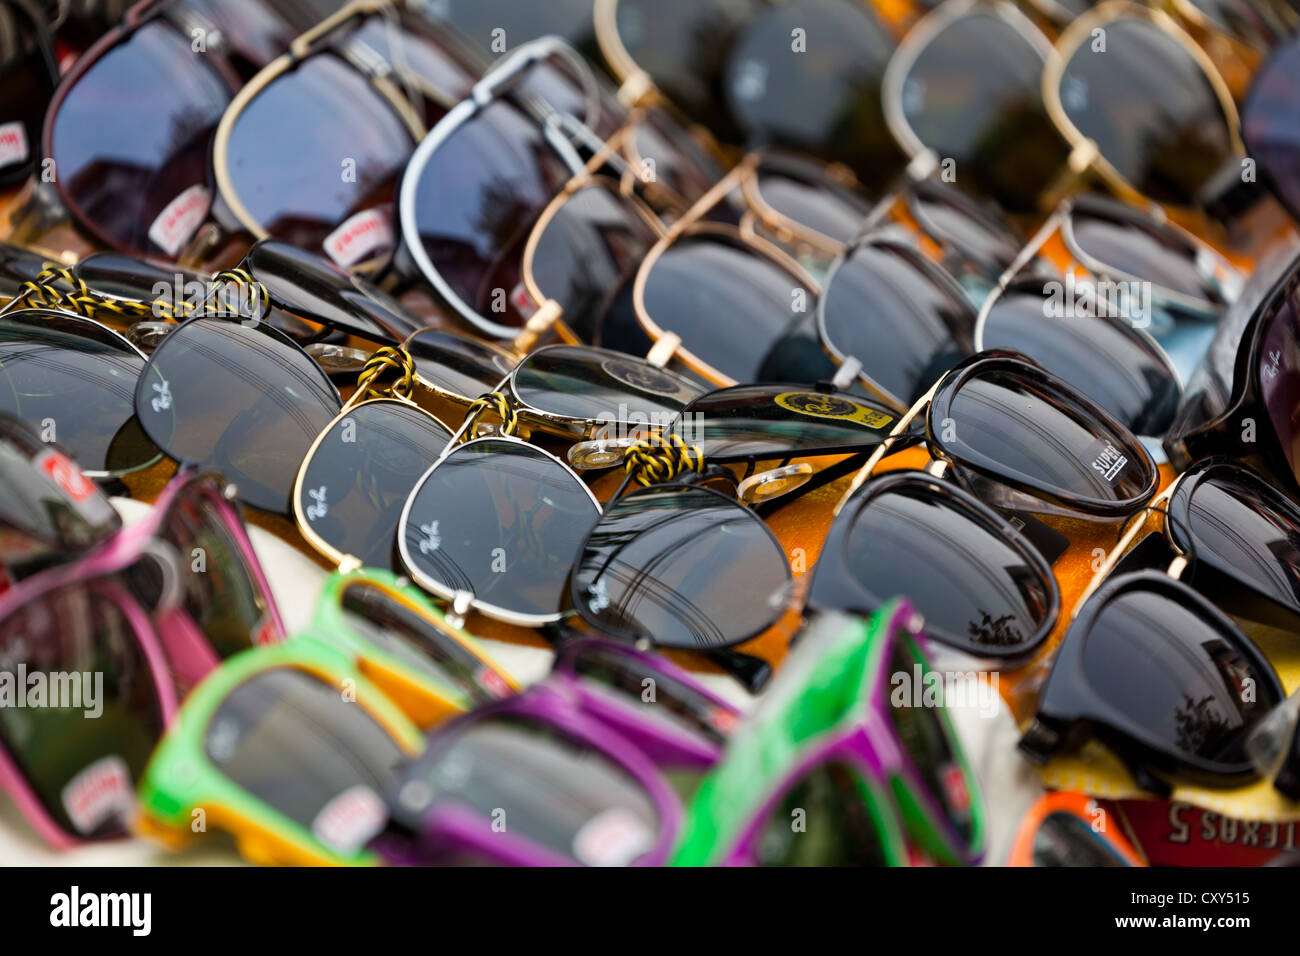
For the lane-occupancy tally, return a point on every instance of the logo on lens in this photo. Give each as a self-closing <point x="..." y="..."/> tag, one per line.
<point x="644" y="378"/>
<point x="821" y="405"/>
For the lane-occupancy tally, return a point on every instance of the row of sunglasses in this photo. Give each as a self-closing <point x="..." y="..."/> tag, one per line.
<point x="383" y="733"/>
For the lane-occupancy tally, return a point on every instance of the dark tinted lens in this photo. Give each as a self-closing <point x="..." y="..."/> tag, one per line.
<point x="1100" y="355"/>
<point x="927" y="738"/>
<point x="221" y="594"/>
<point x="1150" y="109"/>
<point x="240" y="398"/>
<point x="316" y="147"/>
<point x="882" y="307"/>
<point x="411" y="637"/>
<point x="1175" y="675"/>
<point x="1065" y="840"/>
<point x="601" y="386"/>
<point x="1270" y="119"/>
<point x="554" y="790"/>
<point x="501" y="520"/>
<point x="841" y="830"/>
<point x="299" y="745"/>
<point x="979" y="591"/>
<point x="519" y="22"/>
<point x="972" y="234"/>
<point x="72" y="380"/>
<point x="766" y="421"/>
<point x="423" y="59"/>
<point x="973" y="95"/>
<point x="684" y="567"/>
<point x="594" y="240"/>
<point x="312" y="288"/>
<point x="144" y="186"/>
<point x="738" y="311"/>
<point x="83" y="756"/>
<point x="1240" y="525"/>
<point x="124" y="276"/>
<point x="1142" y="248"/>
<point x="1279" y="361"/>
<point x="679" y="162"/>
<point x="684" y="46"/>
<point x="27" y="78"/>
<point x="356" y="482"/>
<point x="19" y="265"/>
<point x="456" y="364"/>
<point x="835" y="213"/>
<point x="1018" y="425"/>
<point x="827" y="103"/>
<point x="476" y="201"/>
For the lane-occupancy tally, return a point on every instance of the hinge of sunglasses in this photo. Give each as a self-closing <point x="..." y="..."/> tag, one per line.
<point x="349" y="563"/>
<point x="538" y="324"/>
<point x="846" y="374"/>
<point x="664" y="349"/>
<point x="936" y="468"/>
<point x="1176" y="567"/>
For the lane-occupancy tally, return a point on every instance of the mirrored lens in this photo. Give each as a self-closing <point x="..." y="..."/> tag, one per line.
<point x="295" y="742"/>
<point x="458" y="365"/>
<point x="142" y="186"/>
<point x="239" y="398"/>
<point x="1150" y="109"/>
<point x="74" y="380"/>
<point x="83" y="756"/>
<point x="502" y="520"/>
<point x="601" y="386"/>
<point x="357" y="480"/>
<point x="886" y="309"/>
<point x="1019" y="424"/>
<point x="683" y="567"/>
<point x="1090" y="345"/>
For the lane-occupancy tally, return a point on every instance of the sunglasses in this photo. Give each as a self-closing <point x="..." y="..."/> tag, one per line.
<point x="28" y="76"/>
<point x="1267" y="116"/>
<point x="290" y="749"/>
<point x="578" y="764"/>
<point x="1180" y="690"/>
<point x="873" y="772"/>
<point x="153" y="609"/>
<point x="1068" y="829"/>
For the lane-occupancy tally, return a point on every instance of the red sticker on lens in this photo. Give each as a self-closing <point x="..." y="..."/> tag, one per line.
<point x="61" y="470"/>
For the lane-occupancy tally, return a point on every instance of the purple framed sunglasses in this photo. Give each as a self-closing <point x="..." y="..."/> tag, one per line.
<point x="572" y="772"/>
<point x="119" y="634"/>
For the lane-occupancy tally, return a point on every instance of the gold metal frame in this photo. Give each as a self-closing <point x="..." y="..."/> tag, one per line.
<point x="1085" y="157"/>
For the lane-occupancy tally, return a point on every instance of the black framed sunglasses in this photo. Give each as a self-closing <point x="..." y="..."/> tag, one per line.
<point x="28" y="77"/>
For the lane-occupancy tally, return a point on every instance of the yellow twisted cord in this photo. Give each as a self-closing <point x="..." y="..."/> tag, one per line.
<point x="245" y="283"/>
<point x="654" y="460"/>
<point x="494" y="402"/>
<point x="79" y="299"/>
<point x="386" y="360"/>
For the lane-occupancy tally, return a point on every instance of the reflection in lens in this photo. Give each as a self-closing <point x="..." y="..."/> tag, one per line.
<point x="456" y="364"/>
<point x="683" y="567"/>
<point x="501" y="520"/>
<point x="28" y="76"/>
<point x="1270" y="120"/>
<point x="356" y="482"/>
<point x="1279" y="358"/>
<point x="240" y="398"/>
<point x="977" y="590"/>
<point x="971" y="232"/>
<point x="601" y="386"/>
<point x="836" y="214"/>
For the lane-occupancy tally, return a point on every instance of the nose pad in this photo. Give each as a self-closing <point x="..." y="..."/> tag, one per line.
<point x="767" y="485"/>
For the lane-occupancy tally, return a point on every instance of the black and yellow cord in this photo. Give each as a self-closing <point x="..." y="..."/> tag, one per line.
<point x="386" y="361"/>
<point x="496" y="403"/>
<point x="77" y="298"/>
<point x="655" y="460"/>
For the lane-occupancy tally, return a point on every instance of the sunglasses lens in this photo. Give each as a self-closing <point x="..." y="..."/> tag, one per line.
<point x="842" y="831"/>
<point x="1063" y="839"/>
<point x="979" y="590"/>
<point x="680" y="164"/>
<point x="1100" y="356"/>
<point x="737" y="311"/>
<point x="476" y="200"/>
<point x="83" y="757"/>
<point x="221" y="594"/>
<point x="1177" y="676"/>
<point x="296" y="743"/>
<point x="239" y="398"/>
<point x="601" y="386"/>
<point x="835" y="213"/>
<point x="456" y="364"/>
<point x="479" y="20"/>
<point x="1150" y="109"/>
<point x="832" y="111"/>
<point x="973" y="95"/>
<point x="314" y="289"/>
<point x="928" y="739"/>
<point x="764" y="421"/>
<point x="684" y="567"/>
<point x="355" y="483"/>
<point x="143" y="187"/>
<point x="556" y="791"/>
<point x="971" y="232"/>
<point x="1279" y="357"/>
<point x="928" y="329"/>
<point x="27" y="79"/>
<point x="336" y="195"/>
<point x="1269" y="120"/>
<point x="409" y="636"/>
<point x="501" y="520"/>
<point x="1015" y="422"/>
<point x="72" y="379"/>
